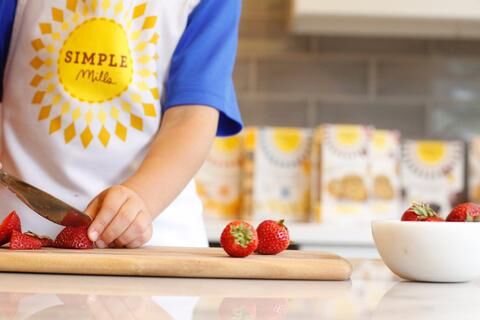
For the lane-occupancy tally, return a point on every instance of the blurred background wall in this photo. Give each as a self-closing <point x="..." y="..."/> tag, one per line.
<point x="425" y="88"/>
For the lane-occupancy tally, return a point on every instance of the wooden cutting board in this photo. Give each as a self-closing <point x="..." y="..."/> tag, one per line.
<point x="178" y="262"/>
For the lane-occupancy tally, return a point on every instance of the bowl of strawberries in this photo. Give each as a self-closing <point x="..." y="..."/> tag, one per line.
<point x="423" y="246"/>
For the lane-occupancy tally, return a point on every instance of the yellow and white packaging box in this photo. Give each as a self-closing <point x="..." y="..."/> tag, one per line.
<point x="384" y="183"/>
<point x="277" y="173"/>
<point x="218" y="181"/>
<point x="433" y="172"/>
<point x="474" y="170"/>
<point x="340" y="173"/>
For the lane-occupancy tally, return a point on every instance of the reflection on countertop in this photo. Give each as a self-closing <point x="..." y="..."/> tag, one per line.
<point x="373" y="293"/>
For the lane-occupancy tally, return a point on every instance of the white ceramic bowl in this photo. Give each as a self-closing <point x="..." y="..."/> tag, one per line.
<point x="429" y="251"/>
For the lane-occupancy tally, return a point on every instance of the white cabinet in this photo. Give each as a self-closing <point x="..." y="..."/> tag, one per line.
<point x="413" y="18"/>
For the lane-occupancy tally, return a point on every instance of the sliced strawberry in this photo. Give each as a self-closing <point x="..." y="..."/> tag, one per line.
<point x="10" y="223"/>
<point x="73" y="238"/>
<point x="465" y="212"/>
<point x="46" y="241"/>
<point x="22" y="241"/>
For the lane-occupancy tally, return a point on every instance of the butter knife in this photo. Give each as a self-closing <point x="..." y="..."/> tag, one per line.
<point x="44" y="204"/>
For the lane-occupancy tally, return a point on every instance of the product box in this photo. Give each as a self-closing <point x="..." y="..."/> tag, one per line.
<point x="276" y="174"/>
<point x="340" y="173"/>
<point x="218" y="181"/>
<point x="384" y="154"/>
<point x="474" y="170"/>
<point x="433" y="172"/>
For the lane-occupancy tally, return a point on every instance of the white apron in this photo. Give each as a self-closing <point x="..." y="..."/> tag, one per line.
<point x="81" y="103"/>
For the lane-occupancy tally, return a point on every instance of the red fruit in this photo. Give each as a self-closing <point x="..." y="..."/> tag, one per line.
<point x="46" y="241"/>
<point x="273" y="237"/>
<point x="420" y="212"/>
<point x="239" y="239"/>
<point x="434" y="219"/>
<point x="22" y="241"/>
<point x="73" y="238"/>
<point x="10" y="223"/>
<point x="465" y="212"/>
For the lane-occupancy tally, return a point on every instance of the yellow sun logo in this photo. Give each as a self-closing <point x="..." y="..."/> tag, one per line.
<point x="87" y="57"/>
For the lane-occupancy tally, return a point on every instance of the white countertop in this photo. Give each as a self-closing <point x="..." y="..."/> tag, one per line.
<point x="373" y="293"/>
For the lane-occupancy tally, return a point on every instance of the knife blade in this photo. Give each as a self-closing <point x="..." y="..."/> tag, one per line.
<point x="43" y="203"/>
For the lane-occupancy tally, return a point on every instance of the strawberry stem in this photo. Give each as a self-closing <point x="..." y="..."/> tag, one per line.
<point x="423" y="210"/>
<point x="242" y="235"/>
<point x="281" y="223"/>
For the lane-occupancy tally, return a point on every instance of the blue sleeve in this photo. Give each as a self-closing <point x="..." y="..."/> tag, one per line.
<point x="202" y="64"/>
<point x="7" y="15"/>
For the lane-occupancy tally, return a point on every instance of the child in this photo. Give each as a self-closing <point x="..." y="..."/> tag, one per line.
<point x="112" y="106"/>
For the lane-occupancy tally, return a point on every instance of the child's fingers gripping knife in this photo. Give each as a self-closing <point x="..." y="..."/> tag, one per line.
<point x="120" y="219"/>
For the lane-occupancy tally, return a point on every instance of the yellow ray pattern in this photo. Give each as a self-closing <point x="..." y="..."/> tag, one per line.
<point x="121" y="131"/>
<point x="36" y="81"/>
<point x="36" y="63"/>
<point x="55" y="124"/>
<point x="139" y="10"/>
<point x="155" y="93"/>
<point x="72" y="5"/>
<point x="57" y="15"/>
<point x="86" y="137"/>
<point x="37" y="44"/>
<point x="69" y="133"/>
<point x="106" y="5"/>
<point x="149" y="22"/>
<point x="44" y="112"/>
<point x="45" y="28"/>
<point x="118" y="7"/>
<point x="149" y="110"/>
<point x="59" y="111"/>
<point x="104" y="136"/>
<point x="38" y="97"/>
<point x="136" y="122"/>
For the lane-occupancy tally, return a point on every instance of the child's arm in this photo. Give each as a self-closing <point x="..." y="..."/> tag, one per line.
<point x="200" y="74"/>
<point x="124" y="213"/>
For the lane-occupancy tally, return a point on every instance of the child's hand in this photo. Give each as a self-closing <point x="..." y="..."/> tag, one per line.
<point x="121" y="219"/>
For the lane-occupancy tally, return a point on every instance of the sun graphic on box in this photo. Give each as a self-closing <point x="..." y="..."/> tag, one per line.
<point x="86" y="58"/>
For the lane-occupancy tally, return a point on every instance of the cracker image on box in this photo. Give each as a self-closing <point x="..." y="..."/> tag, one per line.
<point x="384" y="174"/>
<point x="280" y="173"/>
<point x="218" y="181"/>
<point x="340" y="173"/>
<point x="433" y="172"/>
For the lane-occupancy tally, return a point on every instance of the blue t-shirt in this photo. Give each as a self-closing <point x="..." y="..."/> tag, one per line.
<point x="201" y="67"/>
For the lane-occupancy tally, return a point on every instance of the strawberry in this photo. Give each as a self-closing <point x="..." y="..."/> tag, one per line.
<point x="73" y="238"/>
<point x="239" y="239"/>
<point x="22" y="241"/>
<point x="420" y="212"/>
<point x="273" y="237"/>
<point x="434" y="219"/>
<point x="10" y="223"/>
<point x="465" y="212"/>
<point x="46" y="241"/>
